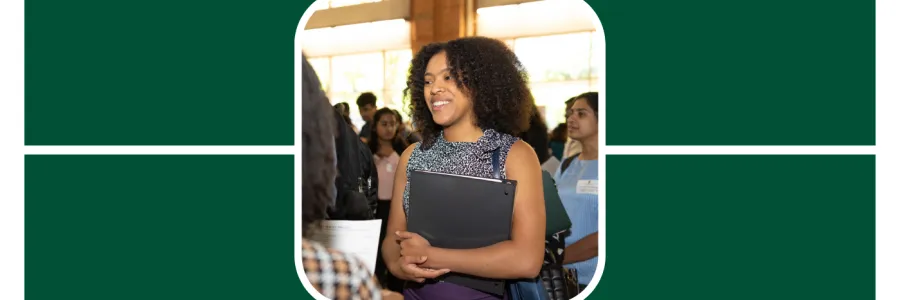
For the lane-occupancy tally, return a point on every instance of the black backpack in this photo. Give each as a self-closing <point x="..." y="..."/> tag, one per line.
<point x="357" y="178"/>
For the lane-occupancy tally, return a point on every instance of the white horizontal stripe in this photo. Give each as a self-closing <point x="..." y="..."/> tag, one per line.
<point x="163" y="150"/>
<point x="738" y="150"/>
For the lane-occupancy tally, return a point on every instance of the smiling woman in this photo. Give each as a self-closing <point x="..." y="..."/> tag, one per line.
<point x="475" y="80"/>
<point x="470" y="98"/>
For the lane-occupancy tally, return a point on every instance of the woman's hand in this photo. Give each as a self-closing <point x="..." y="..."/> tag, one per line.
<point x="412" y="244"/>
<point x="414" y="251"/>
<point x="407" y="268"/>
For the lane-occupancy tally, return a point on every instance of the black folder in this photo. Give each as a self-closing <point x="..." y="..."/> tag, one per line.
<point x="462" y="212"/>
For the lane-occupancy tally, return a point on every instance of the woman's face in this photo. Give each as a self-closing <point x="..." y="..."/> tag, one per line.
<point x="386" y="127"/>
<point x="447" y="103"/>
<point x="582" y="121"/>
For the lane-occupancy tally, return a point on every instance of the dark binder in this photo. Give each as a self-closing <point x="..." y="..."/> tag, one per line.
<point x="462" y="212"/>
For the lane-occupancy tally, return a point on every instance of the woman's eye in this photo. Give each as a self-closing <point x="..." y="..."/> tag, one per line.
<point x="448" y="78"/>
<point x="427" y="82"/>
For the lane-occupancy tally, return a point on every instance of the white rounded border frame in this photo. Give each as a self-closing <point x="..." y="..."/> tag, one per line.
<point x="599" y="50"/>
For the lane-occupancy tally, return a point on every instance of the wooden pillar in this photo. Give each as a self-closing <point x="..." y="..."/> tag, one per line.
<point x="437" y="21"/>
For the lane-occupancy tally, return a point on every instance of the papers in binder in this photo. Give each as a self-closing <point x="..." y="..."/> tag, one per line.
<point x="358" y="238"/>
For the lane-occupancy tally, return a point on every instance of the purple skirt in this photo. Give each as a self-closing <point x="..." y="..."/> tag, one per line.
<point x="445" y="291"/>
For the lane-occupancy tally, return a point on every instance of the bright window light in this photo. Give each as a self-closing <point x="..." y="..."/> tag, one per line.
<point x="357" y="38"/>
<point x="535" y="18"/>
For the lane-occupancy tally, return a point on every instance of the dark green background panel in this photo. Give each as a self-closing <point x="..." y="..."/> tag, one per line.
<point x="213" y="72"/>
<point x="739" y="227"/>
<point x="160" y="72"/>
<point x="710" y="72"/>
<point x="160" y="227"/>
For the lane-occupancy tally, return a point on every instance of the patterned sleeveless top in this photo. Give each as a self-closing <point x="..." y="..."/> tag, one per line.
<point x="460" y="158"/>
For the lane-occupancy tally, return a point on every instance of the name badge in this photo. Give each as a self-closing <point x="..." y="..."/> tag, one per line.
<point x="587" y="187"/>
<point x="390" y="168"/>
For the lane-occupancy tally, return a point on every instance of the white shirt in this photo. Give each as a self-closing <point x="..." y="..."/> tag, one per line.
<point x="572" y="147"/>
<point x="551" y="165"/>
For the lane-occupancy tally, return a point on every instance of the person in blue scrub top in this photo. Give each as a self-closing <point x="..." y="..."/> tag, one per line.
<point x="578" y="188"/>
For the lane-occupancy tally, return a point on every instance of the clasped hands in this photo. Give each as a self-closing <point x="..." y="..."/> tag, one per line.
<point x="414" y="250"/>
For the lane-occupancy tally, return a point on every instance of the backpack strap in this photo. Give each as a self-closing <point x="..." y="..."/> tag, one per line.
<point x="495" y="162"/>
<point x="567" y="162"/>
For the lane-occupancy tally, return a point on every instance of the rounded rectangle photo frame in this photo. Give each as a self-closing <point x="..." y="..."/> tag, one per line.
<point x="323" y="29"/>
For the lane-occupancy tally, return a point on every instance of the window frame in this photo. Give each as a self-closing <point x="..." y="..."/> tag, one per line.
<point x="383" y="100"/>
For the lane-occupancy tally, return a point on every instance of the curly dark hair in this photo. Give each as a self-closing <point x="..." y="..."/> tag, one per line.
<point x="491" y="75"/>
<point x="317" y="150"/>
<point x="398" y="143"/>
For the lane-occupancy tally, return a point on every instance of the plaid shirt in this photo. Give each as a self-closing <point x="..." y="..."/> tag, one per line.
<point x="338" y="275"/>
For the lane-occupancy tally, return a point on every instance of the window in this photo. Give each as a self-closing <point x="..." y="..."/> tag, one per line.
<point x="569" y="59"/>
<point x="357" y="73"/>
<point x="553" y="95"/>
<point x="323" y="69"/>
<point x="353" y="59"/>
<point x="396" y="70"/>
<point x="357" y="38"/>
<point x="558" y="45"/>
<point x="597" y="59"/>
<point x="382" y="73"/>
<point x="570" y="71"/>
<point x="534" y="18"/>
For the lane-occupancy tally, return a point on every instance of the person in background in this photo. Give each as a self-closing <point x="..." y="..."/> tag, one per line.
<point x="386" y="146"/>
<point x="410" y="136"/>
<point x="387" y="136"/>
<point x="357" y="180"/>
<point x="536" y="136"/>
<point x="367" y="107"/>
<point x="344" y="109"/>
<point x="572" y="146"/>
<point x="469" y="98"/>
<point x="332" y="273"/>
<point x="558" y="139"/>
<point x="577" y="183"/>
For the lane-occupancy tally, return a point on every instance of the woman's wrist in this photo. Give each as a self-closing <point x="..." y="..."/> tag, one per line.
<point x="395" y="269"/>
<point x="431" y="262"/>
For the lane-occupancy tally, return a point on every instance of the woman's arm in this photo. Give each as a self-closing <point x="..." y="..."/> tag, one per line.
<point x="520" y="257"/>
<point x="584" y="249"/>
<point x="405" y="268"/>
<point x="389" y="295"/>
